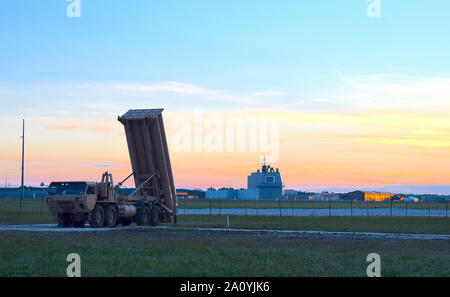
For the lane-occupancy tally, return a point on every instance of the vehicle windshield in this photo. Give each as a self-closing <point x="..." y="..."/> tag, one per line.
<point x="67" y="188"/>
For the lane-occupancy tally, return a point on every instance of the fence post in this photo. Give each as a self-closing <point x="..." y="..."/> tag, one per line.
<point x="351" y="208"/>
<point x="446" y="208"/>
<point x="245" y="206"/>
<point x="367" y="207"/>
<point x="257" y="204"/>
<point x="314" y="208"/>
<point x="42" y="204"/>
<point x="406" y="207"/>
<point x="210" y="207"/>
<point x="429" y="210"/>
<point x="329" y="207"/>
<point x="391" y="207"/>
<point x="184" y="205"/>
<point x="292" y="206"/>
<point x="279" y="205"/>
<point x="220" y="206"/>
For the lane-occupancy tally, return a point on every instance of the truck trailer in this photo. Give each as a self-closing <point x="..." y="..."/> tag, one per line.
<point x="153" y="200"/>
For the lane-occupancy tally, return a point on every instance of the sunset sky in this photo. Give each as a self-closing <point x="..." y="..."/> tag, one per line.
<point x="355" y="101"/>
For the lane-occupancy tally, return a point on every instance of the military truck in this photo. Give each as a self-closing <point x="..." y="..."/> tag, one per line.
<point x="153" y="200"/>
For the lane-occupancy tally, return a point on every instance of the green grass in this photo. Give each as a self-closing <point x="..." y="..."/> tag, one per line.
<point x="17" y="218"/>
<point x="27" y="205"/>
<point x="182" y="253"/>
<point x="285" y="204"/>
<point x="416" y="225"/>
<point x="434" y="225"/>
<point x="39" y="205"/>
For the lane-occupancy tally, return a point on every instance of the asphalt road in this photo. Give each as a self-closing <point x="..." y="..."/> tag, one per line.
<point x="287" y="233"/>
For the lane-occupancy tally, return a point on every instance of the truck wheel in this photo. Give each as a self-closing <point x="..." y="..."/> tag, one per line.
<point x="67" y="221"/>
<point x="143" y="216"/>
<point x="110" y="216"/>
<point x="97" y="217"/>
<point x="155" y="216"/>
<point x="78" y="224"/>
<point x="125" y="222"/>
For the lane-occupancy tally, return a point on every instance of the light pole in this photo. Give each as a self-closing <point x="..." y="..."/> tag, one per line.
<point x="23" y="163"/>
<point x="6" y="177"/>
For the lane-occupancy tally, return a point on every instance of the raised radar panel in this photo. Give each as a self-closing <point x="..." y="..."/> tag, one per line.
<point x="149" y="155"/>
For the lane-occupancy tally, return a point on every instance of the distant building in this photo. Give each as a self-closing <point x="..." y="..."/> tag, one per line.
<point x="267" y="182"/>
<point x="247" y="194"/>
<point x="412" y="199"/>
<point x="190" y="194"/>
<point x="291" y="195"/>
<point x="367" y="196"/>
<point x="325" y="196"/>
<point x="221" y="194"/>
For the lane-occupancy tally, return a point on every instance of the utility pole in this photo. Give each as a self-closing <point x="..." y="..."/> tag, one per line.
<point x="23" y="163"/>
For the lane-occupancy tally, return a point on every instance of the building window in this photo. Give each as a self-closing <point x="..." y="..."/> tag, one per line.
<point x="270" y="179"/>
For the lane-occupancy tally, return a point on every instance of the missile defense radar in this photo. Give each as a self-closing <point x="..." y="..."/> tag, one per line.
<point x="153" y="200"/>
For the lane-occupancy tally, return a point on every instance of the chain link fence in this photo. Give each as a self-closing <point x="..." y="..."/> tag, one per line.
<point x="312" y="208"/>
<point x="273" y="207"/>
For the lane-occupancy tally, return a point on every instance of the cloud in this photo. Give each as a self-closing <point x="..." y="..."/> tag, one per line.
<point x="396" y="179"/>
<point x="72" y="124"/>
<point x="268" y="93"/>
<point x="399" y="93"/>
<point x="101" y="106"/>
<point x="150" y="89"/>
<point x="62" y="127"/>
<point x="174" y="87"/>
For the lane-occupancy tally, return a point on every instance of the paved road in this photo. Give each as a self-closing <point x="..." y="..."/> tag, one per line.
<point x="399" y="212"/>
<point x="289" y="233"/>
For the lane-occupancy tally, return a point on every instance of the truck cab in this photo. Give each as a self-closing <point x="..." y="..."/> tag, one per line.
<point x="72" y="201"/>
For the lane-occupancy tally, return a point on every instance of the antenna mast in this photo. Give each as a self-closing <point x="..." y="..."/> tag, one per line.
<point x="23" y="162"/>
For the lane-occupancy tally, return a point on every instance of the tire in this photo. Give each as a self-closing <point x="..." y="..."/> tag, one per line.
<point x="67" y="221"/>
<point x="79" y="224"/>
<point x="125" y="222"/>
<point x="155" y="216"/>
<point x="110" y="216"/>
<point x="97" y="217"/>
<point x="143" y="216"/>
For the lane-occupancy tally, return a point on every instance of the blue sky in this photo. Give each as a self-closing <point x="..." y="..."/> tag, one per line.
<point x="233" y="45"/>
<point x="299" y="48"/>
<point x="317" y="60"/>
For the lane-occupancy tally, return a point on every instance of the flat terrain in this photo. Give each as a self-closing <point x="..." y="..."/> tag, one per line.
<point x="286" y="204"/>
<point x="433" y="225"/>
<point x="155" y="252"/>
<point x="38" y="204"/>
<point x="152" y="252"/>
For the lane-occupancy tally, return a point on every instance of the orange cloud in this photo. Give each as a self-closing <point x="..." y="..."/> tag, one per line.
<point x="373" y="147"/>
<point x="63" y="128"/>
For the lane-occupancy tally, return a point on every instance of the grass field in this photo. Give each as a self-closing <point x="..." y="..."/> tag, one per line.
<point x="286" y="204"/>
<point x="361" y="224"/>
<point x="435" y="225"/>
<point x="149" y="252"/>
<point x="185" y="253"/>
<point x="38" y="204"/>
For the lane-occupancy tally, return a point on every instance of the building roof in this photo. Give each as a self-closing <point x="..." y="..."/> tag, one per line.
<point x="370" y="192"/>
<point x="138" y="114"/>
